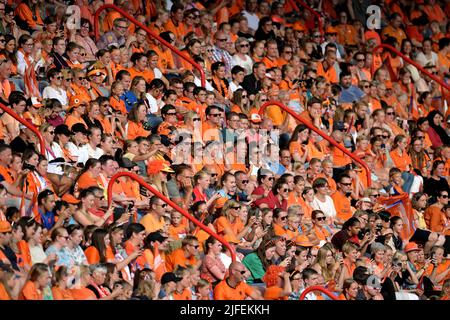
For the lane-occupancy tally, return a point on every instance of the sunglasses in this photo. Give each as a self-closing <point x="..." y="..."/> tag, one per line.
<point x="196" y="246"/>
<point x="244" y="96"/>
<point x="376" y="195"/>
<point x="83" y="54"/>
<point x="164" y="205"/>
<point x="196" y="119"/>
<point x="244" y="181"/>
<point x="316" y="36"/>
<point x="321" y="218"/>
<point x="390" y="113"/>
<point x="288" y="52"/>
<point x="384" y="137"/>
<point x="346" y="184"/>
<point x="444" y="196"/>
<point x="244" y="45"/>
<point x="221" y="40"/>
<point x="360" y="60"/>
<point x="59" y="78"/>
<point x="285" y="189"/>
<point x="235" y="208"/>
<point x="171" y="113"/>
<point x="82" y="78"/>
<point x="264" y="100"/>
<point x="270" y="178"/>
<point x="51" y="132"/>
<point x="209" y="50"/>
<point x="215" y="115"/>
<point x="421" y="137"/>
<point x="283" y="217"/>
<point x="366" y="87"/>
<point x="214" y="174"/>
<point x="68" y="79"/>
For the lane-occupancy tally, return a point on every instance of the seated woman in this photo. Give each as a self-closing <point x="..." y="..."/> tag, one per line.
<point x="278" y="284"/>
<point x="229" y="224"/>
<point x="213" y="270"/>
<point x="258" y="262"/>
<point x="134" y="127"/>
<point x="86" y="218"/>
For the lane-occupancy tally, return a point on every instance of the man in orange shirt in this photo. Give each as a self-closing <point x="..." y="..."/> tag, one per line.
<point x="341" y="200"/>
<point x="270" y="60"/>
<point x="140" y="67"/>
<point x="340" y="159"/>
<point x="175" y="23"/>
<point x="184" y="256"/>
<point x="394" y="29"/>
<point x="211" y="127"/>
<point x="326" y="67"/>
<point x="154" y="220"/>
<point x="234" y="287"/>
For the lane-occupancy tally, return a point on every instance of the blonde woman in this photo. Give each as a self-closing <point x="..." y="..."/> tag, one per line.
<point x="157" y="171"/>
<point x="202" y="180"/>
<point x="325" y="264"/>
<point x="230" y="225"/>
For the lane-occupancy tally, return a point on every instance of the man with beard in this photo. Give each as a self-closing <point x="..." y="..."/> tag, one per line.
<point x="349" y="93"/>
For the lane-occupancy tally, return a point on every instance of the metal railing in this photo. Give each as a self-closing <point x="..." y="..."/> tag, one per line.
<point x="126" y="15"/>
<point x="415" y="64"/>
<point x="141" y="181"/>
<point x="27" y="124"/>
<point x="319" y="132"/>
<point x="317" y="288"/>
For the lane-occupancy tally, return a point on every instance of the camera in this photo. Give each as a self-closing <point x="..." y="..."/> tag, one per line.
<point x="362" y="233"/>
<point x="28" y="166"/>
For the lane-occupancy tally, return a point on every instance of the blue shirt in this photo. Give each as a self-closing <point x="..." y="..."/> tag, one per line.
<point x="129" y="98"/>
<point x="350" y="94"/>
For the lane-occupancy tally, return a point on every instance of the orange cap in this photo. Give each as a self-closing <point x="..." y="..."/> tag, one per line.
<point x="77" y="100"/>
<point x="70" y="199"/>
<point x="411" y="246"/>
<point x="5" y="226"/>
<point x="298" y="26"/>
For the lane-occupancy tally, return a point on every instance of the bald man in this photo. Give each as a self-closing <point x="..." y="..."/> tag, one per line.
<point x="234" y="287"/>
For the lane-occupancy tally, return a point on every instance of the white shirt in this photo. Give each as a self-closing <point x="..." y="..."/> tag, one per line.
<point x="252" y="18"/>
<point x="234" y="87"/>
<point x="57" y="153"/>
<point x="423" y="60"/>
<point x="73" y="149"/>
<point x="153" y="103"/>
<point x="22" y="63"/>
<point x="247" y="64"/>
<point x="87" y="152"/>
<point x="326" y="207"/>
<point x="198" y="83"/>
<point x="60" y="94"/>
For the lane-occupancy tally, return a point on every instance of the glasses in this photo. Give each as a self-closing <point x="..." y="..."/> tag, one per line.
<point x="264" y="100"/>
<point x="235" y="208"/>
<point x="244" y="181"/>
<point x="421" y="137"/>
<point x="2" y="40"/>
<point x="164" y="205"/>
<point x="122" y="27"/>
<point x="195" y="246"/>
<point x="244" y="45"/>
<point x="288" y="52"/>
<point x="214" y="174"/>
<point x="82" y="78"/>
<point x="209" y="50"/>
<point x="385" y="136"/>
<point x="360" y="60"/>
<point x="65" y="237"/>
<point x="321" y="218"/>
<point x="390" y="113"/>
<point x="215" y="115"/>
<point x="221" y="40"/>
<point x="68" y="79"/>
<point x="445" y="196"/>
<point x="196" y="119"/>
<point x="29" y="44"/>
<point x="377" y="195"/>
<point x="270" y="178"/>
<point x="51" y="132"/>
<point x="366" y="87"/>
<point x="244" y="96"/>
<point x="59" y="78"/>
<point x="285" y="189"/>
<point x="83" y="54"/>
<point x="346" y="184"/>
<point x="171" y="113"/>
<point x="283" y="218"/>
<point x="316" y="36"/>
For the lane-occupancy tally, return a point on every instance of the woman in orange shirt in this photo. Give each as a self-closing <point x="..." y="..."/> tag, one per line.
<point x="399" y="155"/>
<point x="80" y="292"/>
<point x="100" y="251"/>
<point x="350" y="290"/>
<point x="229" y="225"/>
<point x="60" y="290"/>
<point x="135" y="128"/>
<point x="319" y="223"/>
<point x="38" y="279"/>
<point x="89" y="177"/>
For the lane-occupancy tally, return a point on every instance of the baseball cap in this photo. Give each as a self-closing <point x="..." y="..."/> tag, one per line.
<point x="79" y="127"/>
<point x="365" y="199"/>
<point x="330" y="29"/>
<point x="70" y="199"/>
<point x="96" y="72"/>
<point x="77" y="100"/>
<point x="168" y="277"/>
<point x="411" y="246"/>
<point x="63" y="129"/>
<point x="255" y="118"/>
<point x="127" y="163"/>
<point x="5" y="226"/>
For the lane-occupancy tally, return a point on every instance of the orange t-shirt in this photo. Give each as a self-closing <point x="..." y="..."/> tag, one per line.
<point x="185" y="295"/>
<point x="93" y="255"/>
<point x="434" y="218"/>
<point x="136" y="130"/>
<point x="342" y="205"/>
<point x="329" y="74"/>
<point x="86" y="180"/>
<point x="224" y="292"/>
<point x="3" y="293"/>
<point x="401" y="161"/>
<point x="71" y="120"/>
<point x="222" y="223"/>
<point x="83" y="294"/>
<point x="30" y="292"/>
<point x="177" y="258"/>
<point x="274" y="293"/>
<point x="118" y="105"/>
<point x="59" y="294"/>
<point x="340" y="159"/>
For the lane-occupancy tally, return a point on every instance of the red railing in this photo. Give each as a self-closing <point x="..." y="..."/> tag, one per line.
<point x="141" y="181"/>
<point x="150" y="33"/>
<point x="319" y="132"/>
<point x="27" y="124"/>
<point x="314" y="13"/>
<point x="317" y="288"/>
<point x="415" y="64"/>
